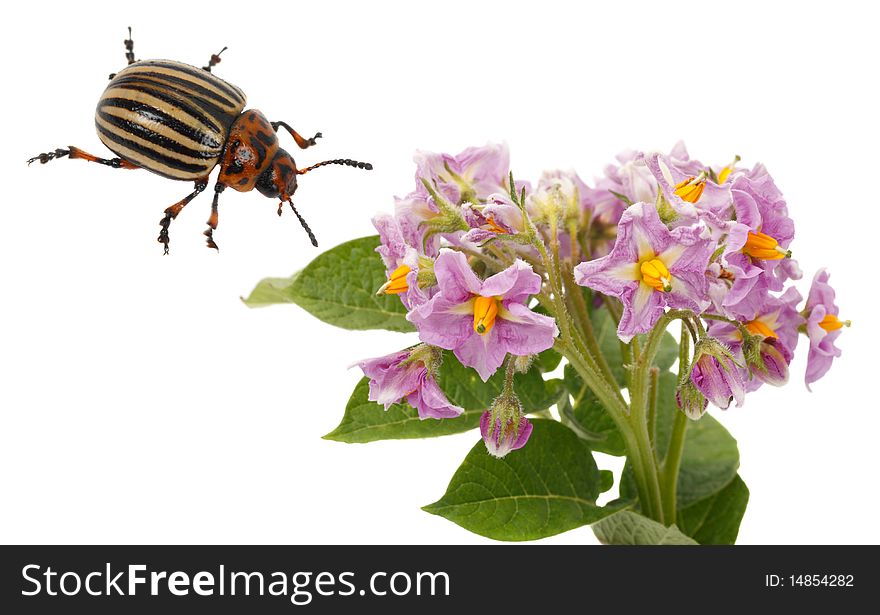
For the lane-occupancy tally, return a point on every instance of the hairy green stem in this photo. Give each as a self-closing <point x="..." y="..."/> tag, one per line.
<point x="671" y="466"/>
<point x="639" y="405"/>
<point x="672" y="463"/>
<point x="575" y="293"/>
<point x="617" y="410"/>
<point x="508" y="375"/>
<point x="653" y="381"/>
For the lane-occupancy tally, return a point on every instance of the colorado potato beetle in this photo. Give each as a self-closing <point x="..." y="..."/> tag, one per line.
<point x="180" y="122"/>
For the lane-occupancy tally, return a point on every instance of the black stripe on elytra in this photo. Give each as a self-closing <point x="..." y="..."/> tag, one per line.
<point x="178" y="102"/>
<point x="151" y="154"/>
<point x="138" y="130"/>
<point x="221" y="114"/>
<point x="201" y="75"/>
<point x="201" y="91"/>
<point x="206" y="111"/>
<point x="151" y="113"/>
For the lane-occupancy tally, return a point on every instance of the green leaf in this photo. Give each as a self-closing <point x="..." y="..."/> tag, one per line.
<point x="630" y="528"/>
<point x="339" y="287"/>
<point x="667" y="352"/>
<point x="367" y="421"/>
<point x="606" y="480"/>
<point x="271" y="291"/>
<point x="464" y="387"/>
<point x="605" y="331"/>
<point x="715" y="520"/>
<point x="548" y="360"/>
<point x="547" y="487"/>
<point x="591" y="415"/>
<point x="710" y="461"/>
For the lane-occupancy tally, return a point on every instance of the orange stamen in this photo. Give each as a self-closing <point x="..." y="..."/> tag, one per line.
<point x="832" y="323"/>
<point x="759" y="327"/>
<point x="691" y="189"/>
<point x="485" y="311"/>
<point x="493" y="226"/>
<point x="656" y="275"/>
<point x="396" y="283"/>
<point x="764" y="247"/>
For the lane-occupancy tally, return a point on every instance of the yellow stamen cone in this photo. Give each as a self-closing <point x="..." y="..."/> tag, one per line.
<point x="485" y="311"/>
<point x="764" y="247"/>
<point x="396" y="283"/>
<point x="759" y="327"/>
<point x="724" y="173"/>
<point x="832" y="323"/>
<point x="691" y="189"/>
<point x="656" y="275"/>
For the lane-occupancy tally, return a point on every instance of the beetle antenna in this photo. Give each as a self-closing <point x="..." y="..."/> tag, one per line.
<point x="347" y="162"/>
<point x="304" y="225"/>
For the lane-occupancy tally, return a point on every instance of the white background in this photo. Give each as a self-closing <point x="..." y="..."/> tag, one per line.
<point x="142" y="402"/>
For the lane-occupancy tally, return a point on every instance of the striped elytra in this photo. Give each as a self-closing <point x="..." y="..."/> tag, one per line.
<point x="168" y="117"/>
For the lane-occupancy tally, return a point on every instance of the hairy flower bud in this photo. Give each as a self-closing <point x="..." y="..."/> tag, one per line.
<point x="504" y="427"/>
<point x="690" y="400"/>
<point x="770" y="363"/>
<point x="716" y="375"/>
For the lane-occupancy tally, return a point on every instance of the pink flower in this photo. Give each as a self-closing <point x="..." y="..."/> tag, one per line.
<point x="775" y="329"/>
<point x="409" y="374"/>
<point x="481" y="321"/>
<point x="650" y="268"/>
<point x="401" y="263"/>
<point x="472" y="175"/>
<point x="823" y="327"/>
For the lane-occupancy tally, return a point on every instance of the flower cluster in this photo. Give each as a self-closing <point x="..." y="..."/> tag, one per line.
<point x="495" y="270"/>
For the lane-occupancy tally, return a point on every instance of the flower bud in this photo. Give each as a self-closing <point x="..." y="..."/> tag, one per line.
<point x="772" y="362"/>
<point x="716" y="375"/>
<point x="690" y="400"/>
<point x="504" y="427"/>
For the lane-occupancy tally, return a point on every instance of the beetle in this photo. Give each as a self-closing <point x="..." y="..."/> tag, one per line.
<point x="180" y="122"/>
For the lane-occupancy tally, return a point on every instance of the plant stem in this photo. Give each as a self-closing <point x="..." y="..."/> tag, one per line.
<point x="653" y="381"/>
<point x="672" y="463"/>
<point x="652" y="504"/>
<point x="508" y="375"/>
<point x="575" y="293"/>
<point x="639" y="405"/>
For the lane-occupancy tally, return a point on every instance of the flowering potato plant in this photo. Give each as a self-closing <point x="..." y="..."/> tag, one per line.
<point x="542" y="315"/>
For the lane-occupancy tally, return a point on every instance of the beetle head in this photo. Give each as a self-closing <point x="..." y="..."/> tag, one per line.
<point x="279" y="178"/>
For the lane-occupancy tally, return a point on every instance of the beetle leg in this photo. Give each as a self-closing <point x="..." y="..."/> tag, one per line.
<point x="212" y="221"/>
<point x="129" y="51"/>
<point x="74" y="153"/>
<point x="214" y="61"/>
<point x="129" y="48"/>
<point x="300" y="140"/>
<point x="171" y="212"/>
